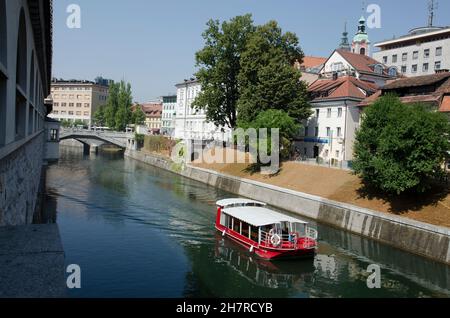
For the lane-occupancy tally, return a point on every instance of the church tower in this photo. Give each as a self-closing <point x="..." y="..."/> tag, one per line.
<point x="361" y="43"/>
<point x="345" y="45"/>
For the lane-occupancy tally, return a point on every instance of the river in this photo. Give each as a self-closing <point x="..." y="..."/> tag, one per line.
<point x="139" y="231"/>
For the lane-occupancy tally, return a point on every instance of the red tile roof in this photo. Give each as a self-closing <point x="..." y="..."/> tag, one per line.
<point x="445" y="105"/>
<point x="152" y="109"/>
<point x="313" y="61"/>
<point x="418" y="81"/>
<point x="347" y="86"/>
<point x="362" y="63"/>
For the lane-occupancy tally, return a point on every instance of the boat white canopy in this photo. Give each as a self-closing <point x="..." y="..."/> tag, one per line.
<point x="259" y="216"/>
<point x="239" y="202"/>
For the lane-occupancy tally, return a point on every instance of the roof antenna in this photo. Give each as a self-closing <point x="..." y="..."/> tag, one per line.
<point x="432" y="7"/>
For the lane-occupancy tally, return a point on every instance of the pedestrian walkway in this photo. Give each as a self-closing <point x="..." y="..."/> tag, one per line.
<point x="31" y="262"/>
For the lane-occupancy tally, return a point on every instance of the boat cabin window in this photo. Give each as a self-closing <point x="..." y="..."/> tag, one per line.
<point x="254" y="233"/>
<point x="237" y="225"/>
<point x="245" y="229"/>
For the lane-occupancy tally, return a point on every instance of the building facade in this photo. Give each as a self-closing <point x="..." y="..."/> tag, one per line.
<point x="191" y="123"/>
<point x="168" y="115"/>
<point x="153" y="116"/>
<point x="25" y="75"/>
<point x="329" y="133"/>
<point x="422" y="52"/>
<point x="76" y="100"/>
<point x="345" y="80"/>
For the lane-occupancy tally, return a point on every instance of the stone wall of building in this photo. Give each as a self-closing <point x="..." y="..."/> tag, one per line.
<point x="20" y="176"/>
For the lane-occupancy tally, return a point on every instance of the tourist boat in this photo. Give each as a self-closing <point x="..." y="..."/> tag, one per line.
<point x="268" y="234"/>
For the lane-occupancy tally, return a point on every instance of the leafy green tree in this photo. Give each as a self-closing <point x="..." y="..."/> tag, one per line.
<point x="401" y="148"/>
<point x="66" y="123"/>
<point x="276" y="119"/>
<point x="268" y="79"/>
<point x="100" y="116"/>
<point x="138" y="116"/>
<point x="219" y="63"/>
<point x="112" y="105"/>
<point x="125" y="100"/>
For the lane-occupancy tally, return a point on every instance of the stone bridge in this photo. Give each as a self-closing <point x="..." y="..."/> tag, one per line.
<point x="93" y="139"/>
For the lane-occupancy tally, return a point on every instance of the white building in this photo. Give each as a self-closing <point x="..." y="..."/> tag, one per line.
<point x="345" y="80"/>
<point x="421" y="52"/>
<point x="168" y="115"/>
<point x="191" y="123"/>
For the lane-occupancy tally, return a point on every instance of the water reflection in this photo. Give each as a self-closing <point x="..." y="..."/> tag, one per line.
<point x="274" y="275"/>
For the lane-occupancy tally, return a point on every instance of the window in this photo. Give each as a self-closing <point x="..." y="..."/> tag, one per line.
<point x="78" y="104"/>
<point x="437" y="66"/>
<point x="339" y="132"/>
<point x="426" y="53"/>
<point x="394" y="58"/>
<point x="78" y="113"/>
<point x="415" y="55"/>
<point x="378" y="69"/>
<point x="392" y="72"/>
<point x="317" y="113"/>
<point x="339" y="112"/>
<point x="71" y="113"/>
<point x="56" y="104"/>
<point x="404" y="69"/>
<point x="316" y="132"/>
<point x="86" y="113"/>
<point x="3" y="34"/>
<point x="385" y="59"/>
<point x="328" y="132"/>
<point x="21" y="80"/>
<point x="329" y="113"/>
<point x="63" y="104"/>
<point x="404" y="57"/>
<point x="425" y="67"/>
<point x="439" y="51"/>
<point x="414" y="68"/>
<point x="63" y="112"/>
<point x="53" y="135"/>
<point x="337" y="154"/>
<point x="55" y="112"/>
<point x="306" y="131"/>
<point x="86" y="105"/>
<point x="71" y="104"/>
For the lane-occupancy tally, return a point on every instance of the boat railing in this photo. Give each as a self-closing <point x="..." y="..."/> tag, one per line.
<point x="290" y="241"/>
<point x="311" y="233"/>
<point x="280" y="241"/>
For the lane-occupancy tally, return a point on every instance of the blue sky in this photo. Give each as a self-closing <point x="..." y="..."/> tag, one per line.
<point x="152" y="43"/>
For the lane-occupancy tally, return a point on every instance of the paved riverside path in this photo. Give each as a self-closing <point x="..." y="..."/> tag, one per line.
<point x="31" y="262"/>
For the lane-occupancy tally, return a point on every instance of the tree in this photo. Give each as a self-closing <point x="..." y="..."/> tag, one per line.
<point x="125" y="100"/>
<point x="401" y="148"/>
<point x="112" y="105"/>
<point x="276" y="119"/>
<point x="99" y="116"/>
<point x="268" y="79"/>
<point x="138" y="116"/>
<point x="219" y="63"/>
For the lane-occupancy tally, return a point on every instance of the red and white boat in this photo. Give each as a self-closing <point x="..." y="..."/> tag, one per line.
<point x="269" y="234"/>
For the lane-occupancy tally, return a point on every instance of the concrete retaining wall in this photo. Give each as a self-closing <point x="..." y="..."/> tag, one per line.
<point x="409" y="235"/>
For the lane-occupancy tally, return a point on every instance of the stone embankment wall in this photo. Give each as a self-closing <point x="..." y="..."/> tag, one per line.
<point x="20" y="180"/>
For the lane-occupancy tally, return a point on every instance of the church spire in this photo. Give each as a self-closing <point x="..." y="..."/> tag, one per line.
<point x="345" y="45"/>
<point x="361" y="43"/>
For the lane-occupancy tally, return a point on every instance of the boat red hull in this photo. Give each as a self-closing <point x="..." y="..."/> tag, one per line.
<point x="268" y="253"/>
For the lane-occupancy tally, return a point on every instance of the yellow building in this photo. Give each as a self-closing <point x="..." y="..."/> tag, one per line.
<point x="77" y="100"/>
